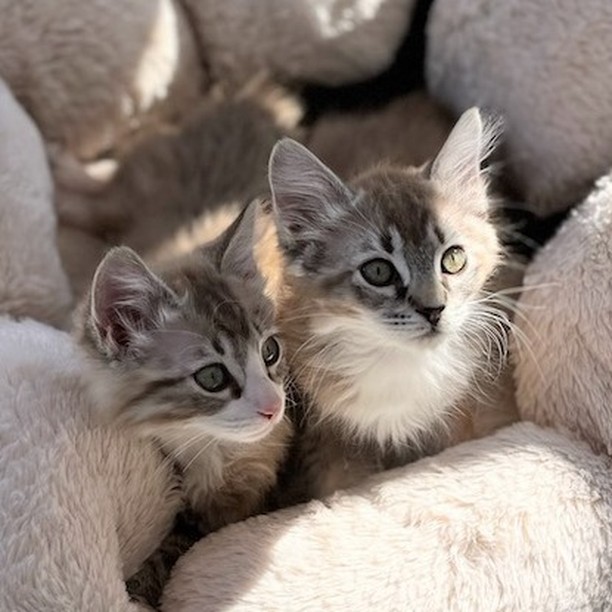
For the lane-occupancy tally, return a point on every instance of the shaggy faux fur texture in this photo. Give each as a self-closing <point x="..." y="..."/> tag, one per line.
<point x="90" y="71"/>
<point x="32" y="281"/>
<point x="81" y="506"/>
<point x="322" y="41"/>
<point x="521" y="520"/>
<point x="545" y="65"/>
<point x="564" y="375"/>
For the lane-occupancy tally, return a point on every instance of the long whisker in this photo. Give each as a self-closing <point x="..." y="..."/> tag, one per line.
<point x="199" y="453"/>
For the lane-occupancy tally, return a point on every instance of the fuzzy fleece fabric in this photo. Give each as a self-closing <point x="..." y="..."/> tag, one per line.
<point x="564" y="372"/>
<point x="92" y="72"/>
<point x="520" y="520"/>
<point x="331" y="42"/>
<point x="88" y="72"/>
<point x="545" y="66"/>
<point x="32" y="280"/>
<point x="82" y="506"/>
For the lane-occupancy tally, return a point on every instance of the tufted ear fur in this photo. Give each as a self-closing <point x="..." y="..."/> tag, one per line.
<point x="457" y="165"/>
<point x="238" y="244"/>
<point x="127" y="300"/>
<point x="306" y="194"/>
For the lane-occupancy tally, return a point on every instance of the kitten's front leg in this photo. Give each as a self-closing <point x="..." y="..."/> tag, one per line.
<point x="339" y="474"/>
<point x="322" y="463"/>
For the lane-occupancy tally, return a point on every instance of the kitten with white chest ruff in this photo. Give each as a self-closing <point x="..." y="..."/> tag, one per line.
<point x="383" y="311"/>
<point x="190" y="358"/>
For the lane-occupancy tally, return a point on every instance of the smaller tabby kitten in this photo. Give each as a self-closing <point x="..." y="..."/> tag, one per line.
<point x="384" y="314"/>
<point x="191" y="358"/>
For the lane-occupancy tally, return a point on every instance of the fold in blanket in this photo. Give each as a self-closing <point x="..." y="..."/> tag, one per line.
<point x="521" y="520"/>
<point x="81" y="507"/>
<point x="32" y="281"/>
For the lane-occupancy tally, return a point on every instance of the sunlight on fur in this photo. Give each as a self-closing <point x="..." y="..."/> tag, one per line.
<point x="159" y="60"/>
<point x="335" y="20"/>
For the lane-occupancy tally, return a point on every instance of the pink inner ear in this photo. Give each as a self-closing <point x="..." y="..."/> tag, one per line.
<point x="127" y="299"/>
<point x="122" y="324"/>
<point x="120" y="311"/>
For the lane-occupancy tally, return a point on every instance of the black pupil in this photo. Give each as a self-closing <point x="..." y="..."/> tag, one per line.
<point x="378" y="272"/>
<point x="270" y="351"/>
<point x="213" y="378"/>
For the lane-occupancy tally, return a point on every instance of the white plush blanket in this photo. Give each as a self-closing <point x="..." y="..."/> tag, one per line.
<point x="32" y="281"/>
<point x="81" y="507"/>
<point x="521" y="520"/>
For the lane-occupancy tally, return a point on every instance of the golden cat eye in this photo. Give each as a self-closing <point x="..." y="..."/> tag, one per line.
<point x="453" y="260"/>
<point x="213" y="378"/>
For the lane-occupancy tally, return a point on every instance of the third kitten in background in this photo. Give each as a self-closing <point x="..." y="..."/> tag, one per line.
<point x="385" y="313"/>
<point x="168" y="179"/>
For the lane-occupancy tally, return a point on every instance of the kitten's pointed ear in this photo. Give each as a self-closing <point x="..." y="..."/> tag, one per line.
<point x="127" y="300"/>
<point x="469" y="143"/>
<point x="306" y="194"/>
<point x="238" y="257"/>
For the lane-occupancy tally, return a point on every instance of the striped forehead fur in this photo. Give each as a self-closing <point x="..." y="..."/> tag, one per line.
<point x="209" y="315"/>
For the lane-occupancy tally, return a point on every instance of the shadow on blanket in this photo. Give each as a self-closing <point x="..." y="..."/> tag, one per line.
<point x="518" y="520"/>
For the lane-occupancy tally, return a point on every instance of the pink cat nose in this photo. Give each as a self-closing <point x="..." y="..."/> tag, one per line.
<point x="272" y="409"/>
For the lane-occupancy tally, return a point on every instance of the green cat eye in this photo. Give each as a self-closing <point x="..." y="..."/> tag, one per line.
<point x="213" y="378"/>
<point x="453" y="260"/>
<point x="270" y="351"/>
<point x="378" y="272"/>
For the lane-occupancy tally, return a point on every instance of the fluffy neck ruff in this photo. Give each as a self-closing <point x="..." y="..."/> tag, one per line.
<point x="223" y="481"/>
<point x="376" y="386"/>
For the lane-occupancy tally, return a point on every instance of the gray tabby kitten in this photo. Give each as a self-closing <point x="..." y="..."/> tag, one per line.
<point x="190" y="358"/>
<point x="383" y="312"/>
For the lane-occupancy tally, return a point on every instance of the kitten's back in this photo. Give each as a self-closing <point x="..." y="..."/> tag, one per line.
<point x="176" y="176"/>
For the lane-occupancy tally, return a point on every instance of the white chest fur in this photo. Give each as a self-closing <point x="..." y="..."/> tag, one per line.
<point x="392" y="390"/>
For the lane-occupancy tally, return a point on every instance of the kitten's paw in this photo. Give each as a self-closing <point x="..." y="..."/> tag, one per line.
<point x="80" y="189"/>
<point x="71" y="174"/>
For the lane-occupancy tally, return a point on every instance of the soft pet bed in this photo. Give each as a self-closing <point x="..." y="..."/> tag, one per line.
<point x="519" y="520"/>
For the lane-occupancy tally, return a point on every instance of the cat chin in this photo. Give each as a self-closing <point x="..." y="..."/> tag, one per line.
<point x="203" y="433"/>
<point x="426" y="339"/>
<point x="249" y="433"/>
<point x="248" y="437"/>
<point x="393" y="391"/>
